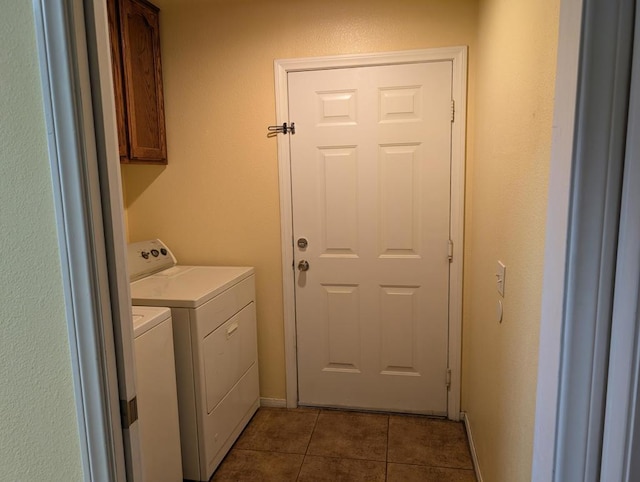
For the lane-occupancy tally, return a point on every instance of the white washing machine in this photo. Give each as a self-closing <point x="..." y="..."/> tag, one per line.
<point x="215" y="341"/>
<point x="157" y="394"/>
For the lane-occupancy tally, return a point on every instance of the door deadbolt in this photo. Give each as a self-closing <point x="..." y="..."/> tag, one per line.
<point x="302" y="243"/>
<point x="303" y="265"/>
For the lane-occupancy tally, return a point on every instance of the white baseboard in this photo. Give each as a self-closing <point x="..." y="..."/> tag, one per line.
<point x="273" y="402"/>
<point x="472" y="447"/>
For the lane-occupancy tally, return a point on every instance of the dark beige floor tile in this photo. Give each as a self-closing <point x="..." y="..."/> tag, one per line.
<point x="350" y="435"/>
<point x="254" y="466"/>
<point x="421" y="473"/>
<point x="424" y="441"/>
<point x="331" y="469"/>
<point x="279" y="430"/>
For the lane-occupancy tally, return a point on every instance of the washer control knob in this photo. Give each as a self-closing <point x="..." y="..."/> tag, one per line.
<point x="163" y="251"/>
<point x="145" y="254"/>
<point x="155" y="253"/>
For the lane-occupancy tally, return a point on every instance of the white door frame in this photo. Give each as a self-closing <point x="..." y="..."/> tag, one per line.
<point x="75" y="66"/>
<point x="458" y="57"/>
<point x="586" y="426"/>
<point x="557" y="232"/>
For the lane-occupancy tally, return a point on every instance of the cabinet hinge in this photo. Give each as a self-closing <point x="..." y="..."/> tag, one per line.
<point x="448" y="378"/>
<point x="450" y="251"/>
<point x="453" y="110"/>
<point x="128" y="412"/>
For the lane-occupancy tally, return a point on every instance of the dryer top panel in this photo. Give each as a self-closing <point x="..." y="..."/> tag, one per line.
<point x="186" y="286"/>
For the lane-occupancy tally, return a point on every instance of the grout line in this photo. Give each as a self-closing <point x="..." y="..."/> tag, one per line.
<point x="304" y="457"/>
<point x="343" y="458"/>
<point x="433" y="466"/>
<point x="315" y="424"/>
<point x="306" y="451"/>
<point x="266" y="451"/>
<point x="386" y="464"/>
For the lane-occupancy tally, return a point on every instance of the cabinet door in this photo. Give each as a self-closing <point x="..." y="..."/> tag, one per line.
<point x="143" y="81"/>
<point x="116" y="62"/>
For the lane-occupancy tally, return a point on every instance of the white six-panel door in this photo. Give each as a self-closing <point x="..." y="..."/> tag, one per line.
<point x="370" y="172"/>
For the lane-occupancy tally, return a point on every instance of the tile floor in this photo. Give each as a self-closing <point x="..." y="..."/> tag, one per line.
<point x="329" y="445"/>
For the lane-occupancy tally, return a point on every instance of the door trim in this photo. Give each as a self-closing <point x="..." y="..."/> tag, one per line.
<point x="75" y="67"/>
<point x="282" y="67"/>
<point x="73" y="156"/>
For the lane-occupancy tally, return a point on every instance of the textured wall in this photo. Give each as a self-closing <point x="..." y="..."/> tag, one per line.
<point x="38" y="428"/>
<point x="217" y="201"/>
<point x="506" y="210"/>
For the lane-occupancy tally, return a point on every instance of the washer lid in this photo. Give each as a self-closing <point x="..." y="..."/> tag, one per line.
<point x="147" y="317"/>
<point x="186" y="286"/>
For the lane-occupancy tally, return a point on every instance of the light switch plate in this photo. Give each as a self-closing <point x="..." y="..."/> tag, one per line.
<point x="500" y="277"/>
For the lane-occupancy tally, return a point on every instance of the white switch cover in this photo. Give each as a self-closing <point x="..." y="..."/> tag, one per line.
<point x="500" y="277"/>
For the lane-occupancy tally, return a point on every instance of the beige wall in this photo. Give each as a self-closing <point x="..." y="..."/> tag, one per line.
<point x="38" y="424"/>
<point x="217" y="201"/>
<point x="506" y="207"/>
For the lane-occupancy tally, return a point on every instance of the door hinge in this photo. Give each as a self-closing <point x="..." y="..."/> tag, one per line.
<point x="450" y="251"/>
<point x="128" y="412"/>
<point x="448" y="378"/>
<point x="453" y="110"/>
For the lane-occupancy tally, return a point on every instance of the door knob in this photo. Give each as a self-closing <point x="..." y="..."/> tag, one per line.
<point x="303" y="265"/>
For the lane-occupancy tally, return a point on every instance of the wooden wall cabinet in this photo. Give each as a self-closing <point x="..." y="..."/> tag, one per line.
<point x="137" y="79"/>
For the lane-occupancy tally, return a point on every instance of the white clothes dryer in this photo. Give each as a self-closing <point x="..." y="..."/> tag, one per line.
<point x="215" y="341"/>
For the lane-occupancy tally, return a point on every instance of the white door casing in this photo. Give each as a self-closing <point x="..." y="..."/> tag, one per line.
<point x="73" y="44"/>
<point x="370" y="168"/>
<point x="454" y="61"/>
